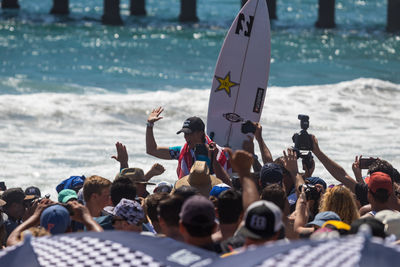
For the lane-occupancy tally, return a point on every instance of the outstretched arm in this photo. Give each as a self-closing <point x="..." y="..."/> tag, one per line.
<point x="219" y="171"/>
<point x="356" y="170"/>
<point x="241" y="163"/>
<point x="34" y="220"/>
<point x="290" y="163"/>
<point x="265" y="153"/>
<point x="333" y="168"/>
<point x="248" y="146"/>
<point x="155" y="170"/>
<point x="151" y="145"/>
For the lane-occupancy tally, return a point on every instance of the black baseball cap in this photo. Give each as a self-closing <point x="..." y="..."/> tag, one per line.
<point x="192" y="124"/>
<point x="263" y="219"/>
<point x="33" y="190"/>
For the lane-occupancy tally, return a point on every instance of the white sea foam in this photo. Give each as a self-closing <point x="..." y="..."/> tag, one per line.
<point x="47" y="137"/>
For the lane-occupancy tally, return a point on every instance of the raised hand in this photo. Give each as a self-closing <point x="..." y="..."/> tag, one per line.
<point x="122" y="155"/>
<point x="315" y="144"/>
<point x="248" y="145"/>
<point x="241" y="161"/>
<point x="258" y="131"/>
<point x="290" y="161"/>
<point x="356" y="169"/>
<point x="155" y="115"/>
<point x="157" y="169"/>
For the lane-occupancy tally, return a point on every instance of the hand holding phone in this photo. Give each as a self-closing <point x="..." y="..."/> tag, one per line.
<point x="364" y="163"/>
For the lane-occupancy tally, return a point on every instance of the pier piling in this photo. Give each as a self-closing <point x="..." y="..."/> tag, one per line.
<point x="188" y="11"/>
<point x="271" y="8"/>
<point x="138" y="7"/>
<point x="60" y="7"/>
<point x="9" y="4"/>
<point x="111" y="13"/>
<point x="326" y="14"/>
<point x="393" y="18"/>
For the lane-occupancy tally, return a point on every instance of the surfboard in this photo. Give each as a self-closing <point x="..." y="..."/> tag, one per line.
<point x="241" y="76"/>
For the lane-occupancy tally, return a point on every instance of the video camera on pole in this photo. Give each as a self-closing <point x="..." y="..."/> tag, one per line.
<point x="303" y="143"/>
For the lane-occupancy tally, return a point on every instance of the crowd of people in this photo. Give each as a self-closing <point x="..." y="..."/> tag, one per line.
<point x="222" y="200"/>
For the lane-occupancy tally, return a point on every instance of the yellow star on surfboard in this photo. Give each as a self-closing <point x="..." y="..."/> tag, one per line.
<point x="225" y="84"/>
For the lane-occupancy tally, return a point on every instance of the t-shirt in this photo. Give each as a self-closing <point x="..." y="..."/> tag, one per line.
<point x="361" y="191"/>
<point x="10" y="225"/>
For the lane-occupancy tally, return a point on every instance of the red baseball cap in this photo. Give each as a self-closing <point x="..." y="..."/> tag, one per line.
<point x="379" y="180"/>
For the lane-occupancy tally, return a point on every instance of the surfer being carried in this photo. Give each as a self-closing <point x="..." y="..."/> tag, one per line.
<point x="198" y="146"/>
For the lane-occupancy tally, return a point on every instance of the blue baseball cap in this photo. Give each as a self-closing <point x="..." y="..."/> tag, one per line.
<point x="218" y="189"/>
<point x="55" y="219"/>
<point x="323" y="217"/>
<point x="316" y="180"/>
<point x="72" y="182"/>
<point x="271" y="173"/>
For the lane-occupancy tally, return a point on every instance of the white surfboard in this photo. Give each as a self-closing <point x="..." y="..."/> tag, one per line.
<point x="241" y="75"/>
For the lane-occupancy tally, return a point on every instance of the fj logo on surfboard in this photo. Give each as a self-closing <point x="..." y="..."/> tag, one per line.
<point x="249" y="24"/>
<point x="225" y="84"/>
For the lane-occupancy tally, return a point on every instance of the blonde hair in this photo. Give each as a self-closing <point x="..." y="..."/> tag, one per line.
<point x="341" y="200"/>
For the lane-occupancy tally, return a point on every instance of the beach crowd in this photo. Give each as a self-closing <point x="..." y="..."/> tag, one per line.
<point x="222" y="200"/>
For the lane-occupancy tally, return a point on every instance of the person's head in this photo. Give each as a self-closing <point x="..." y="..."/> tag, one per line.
<point x="186" y="192"/>
<point x="33" y="191"/>
<point x="340" y="200"/>
<point x="218" y="189"/>
<point x="380" y="187"/>
<point x="96" y="190"/>
<point x="163" y="187"/>
<point x="263" y="222"/>
<point x="276" y="194"/>
<point x="391" y="220"/>
<point x="128" y="215"/>
<point x="229" y="206"/>
<point x="122" y="187"/>
<point x="14" y="207"/>
<point x="322" y="218"/>
<point x="74" y="182"/>
<point x="197" y="218"/>
<point x="193" y="129"/>
<point x="200" y="178"/>
<point x="66" y="195"/>
<point x="137" y="177"/>
<point x="151" y="204"/>
<point x="376" y="226"/>
<point x="270" y="173"/>
<point x="55" y="219"/>
<point x="169" y="209"/>
<point x="381" y="165"/>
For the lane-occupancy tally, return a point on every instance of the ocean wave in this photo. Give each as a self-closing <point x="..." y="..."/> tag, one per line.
<point x="49" y="136"/>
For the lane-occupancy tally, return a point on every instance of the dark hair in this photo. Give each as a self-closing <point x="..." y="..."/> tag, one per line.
<point x="377" y="227"/>
<point x="151" y="204"/>
<point x="396" y="176"/>
<point x="169" y="209"/>
<point x="381" y="165"/>
<point x="186" y="191"/>
<point x="201" y="229"/>
<point x="122" y="188"/>
<point x="381" y="195"/>
<point x="276" y="194"/>
<point x="229" y="206"/>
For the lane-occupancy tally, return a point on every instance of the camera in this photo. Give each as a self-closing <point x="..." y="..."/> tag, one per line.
<point x="303" y="141"/>
<point x="248" y="127"/>
<point x="311" y="191"/>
